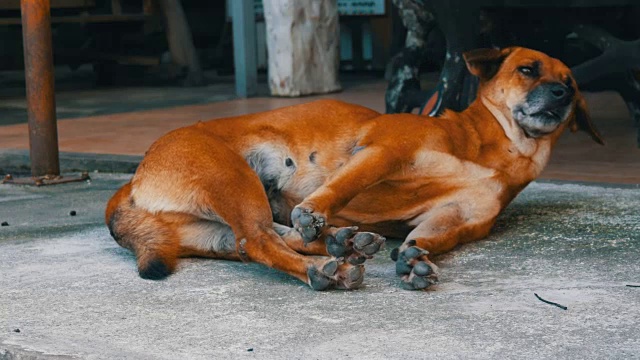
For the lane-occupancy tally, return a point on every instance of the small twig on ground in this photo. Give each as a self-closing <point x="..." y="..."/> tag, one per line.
<point x="550" y="302"/>
<point x="638" y="286"/>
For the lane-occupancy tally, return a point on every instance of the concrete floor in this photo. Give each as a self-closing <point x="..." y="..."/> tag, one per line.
<point x="71" y="292"/>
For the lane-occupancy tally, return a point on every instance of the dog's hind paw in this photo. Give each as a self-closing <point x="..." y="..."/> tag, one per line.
<point x="308" y="223"/>
<point x="334" y="274"/>
<point x="414" y="268"/>
<point x="355" y="247"/>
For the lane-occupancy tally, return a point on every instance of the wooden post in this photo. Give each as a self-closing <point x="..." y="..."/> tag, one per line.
<point x="244" y="47"/>
<point x="39" y="79"/>
<point x="303" y="46"/>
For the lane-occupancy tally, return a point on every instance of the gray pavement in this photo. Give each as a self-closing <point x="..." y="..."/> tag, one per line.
<point x="73" y="293"/>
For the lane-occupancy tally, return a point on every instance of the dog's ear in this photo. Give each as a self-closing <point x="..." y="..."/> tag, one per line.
<point x="484" y="63"/>
<point x="582" y="120"/>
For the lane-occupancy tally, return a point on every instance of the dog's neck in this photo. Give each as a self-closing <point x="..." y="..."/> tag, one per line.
<point x="537" y="150"/>
<point x="525" y="145"/>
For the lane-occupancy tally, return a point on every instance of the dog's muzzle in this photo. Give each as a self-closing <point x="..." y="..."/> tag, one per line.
<point x="544" y="109"/>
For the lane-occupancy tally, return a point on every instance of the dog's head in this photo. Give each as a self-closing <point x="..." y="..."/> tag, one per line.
<point x="532" y="90"/>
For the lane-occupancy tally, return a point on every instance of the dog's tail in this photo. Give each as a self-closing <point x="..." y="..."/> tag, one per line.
<point x="155" y="242"/>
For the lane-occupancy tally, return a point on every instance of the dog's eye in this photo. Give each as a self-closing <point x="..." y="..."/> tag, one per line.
<point x="527" y="71"/>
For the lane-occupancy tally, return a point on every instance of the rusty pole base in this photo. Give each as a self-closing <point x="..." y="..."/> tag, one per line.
<point x="45" y="180"/>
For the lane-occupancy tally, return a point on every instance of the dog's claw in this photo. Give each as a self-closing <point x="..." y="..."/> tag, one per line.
<point x="308" y="224"/>
<point x="355" y="247"/>
<point x="414" y="268"/>
<point x="333" y="274"/>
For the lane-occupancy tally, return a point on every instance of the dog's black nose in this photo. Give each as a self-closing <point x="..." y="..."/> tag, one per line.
<point x="560" y="91"/>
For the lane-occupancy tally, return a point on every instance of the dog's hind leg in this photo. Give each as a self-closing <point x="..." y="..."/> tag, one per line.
<point x="257" y="241"/>
<point x="218" y="185"/>
<point x="250" y="219"/>
<point x="346" y="243"/>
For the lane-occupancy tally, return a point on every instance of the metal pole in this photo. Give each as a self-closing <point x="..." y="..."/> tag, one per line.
<point x="244" y="47"/>
<point x="39" y="79"/>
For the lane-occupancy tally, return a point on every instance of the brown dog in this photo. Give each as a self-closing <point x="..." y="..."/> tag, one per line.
<point x="225" y="188"/>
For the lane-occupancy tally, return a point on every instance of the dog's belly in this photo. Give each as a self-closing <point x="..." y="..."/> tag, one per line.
<point x="290" y="172"/>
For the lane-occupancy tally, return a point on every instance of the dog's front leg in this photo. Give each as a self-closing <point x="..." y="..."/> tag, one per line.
<point x="441" y="230"/>
<point x="365" y="168"/>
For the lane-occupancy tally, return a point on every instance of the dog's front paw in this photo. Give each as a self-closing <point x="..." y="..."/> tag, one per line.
<point x="308" y="223"/>
<point x="335" y="274"/>
<point x="413" y="267"/>
<point x="355" y="247"/>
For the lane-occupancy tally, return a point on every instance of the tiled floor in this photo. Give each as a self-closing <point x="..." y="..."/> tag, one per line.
<point x="575" y="158"/>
